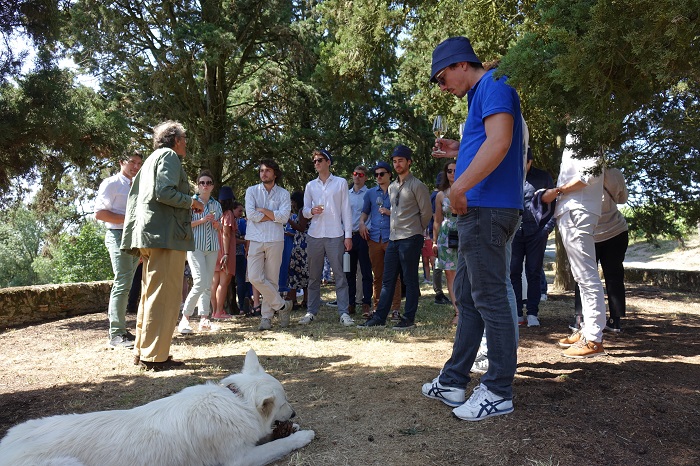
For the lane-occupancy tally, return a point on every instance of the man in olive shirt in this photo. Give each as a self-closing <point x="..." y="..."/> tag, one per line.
<point x="157" y="226"/>
<point x="410" y="214"/>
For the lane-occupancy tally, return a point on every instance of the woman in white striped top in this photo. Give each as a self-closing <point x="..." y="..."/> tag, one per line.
<point x="203" y="259"/>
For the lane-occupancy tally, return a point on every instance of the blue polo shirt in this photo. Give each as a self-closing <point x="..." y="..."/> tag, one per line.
<point x="379" y="229"/>
<point x="503" y="187"/>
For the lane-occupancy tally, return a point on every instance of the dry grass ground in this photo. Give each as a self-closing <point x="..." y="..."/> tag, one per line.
<point x="360" y="389"/>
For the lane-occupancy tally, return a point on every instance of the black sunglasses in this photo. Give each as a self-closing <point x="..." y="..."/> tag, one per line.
<point x="206" y="183"/>
<point x="380" y="174"/>
<point x="319" y="161"/>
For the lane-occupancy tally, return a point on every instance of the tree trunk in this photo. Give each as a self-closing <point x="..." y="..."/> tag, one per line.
<point x="563" y="280"/>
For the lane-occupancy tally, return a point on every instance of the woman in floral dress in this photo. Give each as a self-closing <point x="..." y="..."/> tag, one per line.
<point x="298" y="264"/>
<point x="445" y="221"/>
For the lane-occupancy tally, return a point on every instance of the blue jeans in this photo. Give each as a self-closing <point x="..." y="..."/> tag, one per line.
<point x="360" y="253"/>
<point x="403" y="254"/>
<point x="531" y="249"/>
<point x="123" y="265"/>
<point x="481" y="292"/>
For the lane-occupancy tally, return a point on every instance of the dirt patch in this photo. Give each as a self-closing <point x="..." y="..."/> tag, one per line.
<point x="360" y="390"/>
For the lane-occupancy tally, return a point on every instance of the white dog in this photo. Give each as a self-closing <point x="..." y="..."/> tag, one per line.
<point x="211" y="424"/>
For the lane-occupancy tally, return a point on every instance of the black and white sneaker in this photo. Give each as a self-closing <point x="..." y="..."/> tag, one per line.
<point x="451" y="396"/>
<point x="613" y="325"/>
<point x="482" y="405"/>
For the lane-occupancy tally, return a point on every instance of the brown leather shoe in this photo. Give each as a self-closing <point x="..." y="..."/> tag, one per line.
<point x="571" y="339"/>
<point x="584" y="349"/>
<point x="166" y="365"/>
<point x="365" y="311"/>
<point x="351" y="309"/>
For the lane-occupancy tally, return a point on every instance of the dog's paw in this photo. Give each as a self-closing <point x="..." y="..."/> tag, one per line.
<point x="303" y="437"/>
<point x="295" y="427"/>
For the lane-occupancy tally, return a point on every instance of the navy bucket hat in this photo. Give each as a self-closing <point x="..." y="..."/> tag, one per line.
<point x="451" y="51"/>
<point x="402" y="151"/>
<point x="225" y="193"/>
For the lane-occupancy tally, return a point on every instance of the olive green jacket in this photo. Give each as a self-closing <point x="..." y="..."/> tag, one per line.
<point x="158" y="211"/>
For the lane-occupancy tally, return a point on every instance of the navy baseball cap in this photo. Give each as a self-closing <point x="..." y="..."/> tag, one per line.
<point x="451" y="51"/>
<point x="327" y="155"/>
<point x="402" y="151"/>
<point x="383" y="165"/>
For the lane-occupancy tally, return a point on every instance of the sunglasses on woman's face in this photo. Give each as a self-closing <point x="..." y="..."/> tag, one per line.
<point x="206" y="183"/>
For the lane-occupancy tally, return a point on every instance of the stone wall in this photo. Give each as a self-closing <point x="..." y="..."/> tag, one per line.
<point x="680" y="280"/>
<point x="32" y="304"/>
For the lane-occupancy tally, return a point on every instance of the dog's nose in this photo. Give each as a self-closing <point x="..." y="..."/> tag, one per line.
<point x="293" y="414"/>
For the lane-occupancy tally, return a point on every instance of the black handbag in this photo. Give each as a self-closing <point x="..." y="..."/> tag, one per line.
<point x="452" y="239"/>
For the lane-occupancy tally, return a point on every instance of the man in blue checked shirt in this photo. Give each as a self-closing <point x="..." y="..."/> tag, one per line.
<point x="377" y="208"/>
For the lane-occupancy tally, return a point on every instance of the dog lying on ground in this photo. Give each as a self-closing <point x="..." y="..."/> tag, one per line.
<point x="211" y="424"/>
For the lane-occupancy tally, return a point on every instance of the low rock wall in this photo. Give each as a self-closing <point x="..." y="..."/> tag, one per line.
<point x="680" y="280"/>
<point x="32" y="304"/>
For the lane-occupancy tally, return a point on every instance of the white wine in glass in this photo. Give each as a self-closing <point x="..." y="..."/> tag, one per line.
<point x="440" y="129"/>
<point x="461" y="131"/>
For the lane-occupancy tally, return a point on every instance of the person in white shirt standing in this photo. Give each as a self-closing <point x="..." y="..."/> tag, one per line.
<point x="326" y="203"/>
<point x="110" y="206"/>
<point x="580" y="192"/>
<point x="267" y="207"/>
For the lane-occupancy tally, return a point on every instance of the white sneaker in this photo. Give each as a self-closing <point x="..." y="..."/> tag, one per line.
<point x="533" y="321"/>
<point x="451" y="396"/>
<point x="543" y="297"/>
<point x="483" y="404"/>
<point x="521" y="320"/>
<point x="265" y="324"/>
<point x="481" y="363"/>
<point x="346" y="320"/>
<point x="285" y="314"/>
<point x="307" y="319"/>
<point x="205" y="325"/>
<point x="184" y="327"/>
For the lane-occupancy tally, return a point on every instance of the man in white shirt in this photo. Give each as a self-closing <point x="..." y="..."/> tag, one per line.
<point x="360" y="251"/>
<point x="580" y="193"/>
<point x="267" y="207"/>
<point x="110" y="206"/>
<point x="326" y="203"/>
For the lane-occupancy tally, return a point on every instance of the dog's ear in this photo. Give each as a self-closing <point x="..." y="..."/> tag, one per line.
<point x="267" y="406"/>
<point x="251" y="364"/>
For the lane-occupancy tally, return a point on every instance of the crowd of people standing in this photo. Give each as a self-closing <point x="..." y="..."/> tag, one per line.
<point x="488" y="218"/>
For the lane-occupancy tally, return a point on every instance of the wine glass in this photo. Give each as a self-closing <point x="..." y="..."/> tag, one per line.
<point x="439" y="129"/>
<point x="380" y="202"/>
<point x="461" y="130"/>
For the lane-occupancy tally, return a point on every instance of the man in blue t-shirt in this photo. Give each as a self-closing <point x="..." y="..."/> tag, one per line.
<point x="488" y="197"/>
